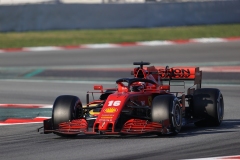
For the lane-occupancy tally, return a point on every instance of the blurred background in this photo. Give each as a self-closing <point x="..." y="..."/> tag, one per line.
<point x="29" y="15"/>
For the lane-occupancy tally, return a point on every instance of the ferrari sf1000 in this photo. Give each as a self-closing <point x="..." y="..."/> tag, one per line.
<point x="139" y="105"/>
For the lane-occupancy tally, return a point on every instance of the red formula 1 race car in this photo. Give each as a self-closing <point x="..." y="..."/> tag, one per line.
<point x="139" y="105"/>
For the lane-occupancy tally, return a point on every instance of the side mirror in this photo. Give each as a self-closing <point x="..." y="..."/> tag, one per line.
<point x="98" y="87"/>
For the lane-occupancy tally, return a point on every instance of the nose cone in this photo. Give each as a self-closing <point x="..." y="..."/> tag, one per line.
<point x="105" y="126"/>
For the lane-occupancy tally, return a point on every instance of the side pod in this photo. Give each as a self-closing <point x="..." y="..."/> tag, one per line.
<point x="47" y="126"/>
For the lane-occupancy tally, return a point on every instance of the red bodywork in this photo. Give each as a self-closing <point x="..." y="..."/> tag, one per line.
<point x="123" y="112"/>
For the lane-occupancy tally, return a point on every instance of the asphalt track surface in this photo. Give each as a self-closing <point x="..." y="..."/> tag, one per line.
<point x="21" y="83"/>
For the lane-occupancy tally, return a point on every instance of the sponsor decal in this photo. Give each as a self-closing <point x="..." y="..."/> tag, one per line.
<point x="104" y="117"/>
<point x="105" y="120"/>
<point x="110" y="110"/>
<point x="175" y="72"/>
<point x="107" y="115"/>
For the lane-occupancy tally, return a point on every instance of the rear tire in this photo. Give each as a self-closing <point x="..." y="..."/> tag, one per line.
<point x="167" y="107"/>
<point x="65" y="109"/>
<point x="208" y="105"/>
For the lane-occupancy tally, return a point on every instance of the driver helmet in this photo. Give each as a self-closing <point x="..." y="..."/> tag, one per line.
<point x="138" y="86"/>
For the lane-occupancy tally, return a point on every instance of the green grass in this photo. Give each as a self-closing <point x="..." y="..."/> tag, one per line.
<point x="77" y="37"/>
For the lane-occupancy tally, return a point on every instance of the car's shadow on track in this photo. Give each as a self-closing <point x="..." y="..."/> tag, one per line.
<point x="186" y="131"/>
<point x="226" y="126"/>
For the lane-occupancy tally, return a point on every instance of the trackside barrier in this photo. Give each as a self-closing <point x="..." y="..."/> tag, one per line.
<point x="103" y="16"/>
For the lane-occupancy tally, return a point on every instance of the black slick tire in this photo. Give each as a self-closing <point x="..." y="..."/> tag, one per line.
<point x="208" y="105"/>
<point x="65" y="109"/>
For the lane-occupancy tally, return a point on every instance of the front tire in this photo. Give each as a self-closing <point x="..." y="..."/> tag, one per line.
<point x="167" y="107"/>
<point x="65" y="109"/>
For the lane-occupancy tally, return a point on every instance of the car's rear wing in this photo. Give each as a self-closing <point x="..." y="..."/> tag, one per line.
<point x="167" y="74"/>
<point x="176" y="73"/>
